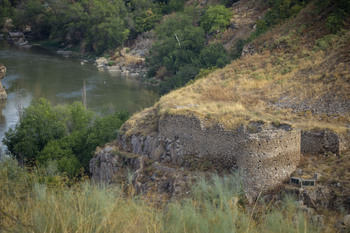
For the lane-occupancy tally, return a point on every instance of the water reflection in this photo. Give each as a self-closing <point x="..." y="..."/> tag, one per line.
<point x="34" y="73"/>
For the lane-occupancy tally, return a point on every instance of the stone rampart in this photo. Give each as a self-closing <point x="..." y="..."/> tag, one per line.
<point x="267" y="155"/>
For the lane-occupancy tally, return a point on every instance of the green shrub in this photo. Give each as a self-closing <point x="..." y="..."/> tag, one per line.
<point x="67" y="134"/>
<point x="183" y="76"/>
<point x="215" y="18"/>
<point x="6" y="10"/>
<point x="334" y="21"/>
<point x="179" y="43"/>
<point x="214" y="55"/>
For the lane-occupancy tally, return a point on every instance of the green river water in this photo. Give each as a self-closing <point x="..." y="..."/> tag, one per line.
<point x="37" y="73"/>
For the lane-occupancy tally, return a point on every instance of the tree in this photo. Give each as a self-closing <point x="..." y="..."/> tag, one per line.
<point x="215" y="18"/>
<point x="214" y="55"/>
<point x="179" y="43"/>
<point x="67" y="134"/>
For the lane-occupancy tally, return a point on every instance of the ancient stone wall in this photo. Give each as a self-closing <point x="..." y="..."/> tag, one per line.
<point x="321" y="141"/>
<point x="266" y="154"/>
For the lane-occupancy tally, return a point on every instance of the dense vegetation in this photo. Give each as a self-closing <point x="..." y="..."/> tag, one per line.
<point x="181" y="50"/>
<point x="65" y="134"/>
<point x="91" y="26"/>
<point x="41" y="202"/>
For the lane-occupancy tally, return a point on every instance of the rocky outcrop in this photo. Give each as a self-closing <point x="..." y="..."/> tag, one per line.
<point x="3" y="94"/>
<point x="248" y="49"/>
<point x="19" y="39"/>
<point x="109" y="160"/>
<point x="267" y="155"/>
<point x="130" y="62"/>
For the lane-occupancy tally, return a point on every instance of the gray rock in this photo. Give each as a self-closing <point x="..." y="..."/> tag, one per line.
<point x="248" y="49"/>
<point x="346" y="221"/>
<point x="318" y="220"/>
<point x="102" y="61"/>
<point x="317" y="176"/>
<point x="106" y="163"/>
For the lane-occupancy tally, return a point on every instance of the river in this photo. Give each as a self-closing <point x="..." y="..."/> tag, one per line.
<point x="38" y="73"/>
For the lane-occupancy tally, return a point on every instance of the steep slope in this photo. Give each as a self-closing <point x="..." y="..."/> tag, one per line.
<point x="299" y="74"/>
<point x="288" y="94"/>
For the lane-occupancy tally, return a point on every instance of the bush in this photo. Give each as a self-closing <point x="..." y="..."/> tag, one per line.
<point x="334" y="21"/>
<point x="214" y="55"/>
<point x="280" y="10"/>
<point x="215" y="18"/>
<point x="66" y="134"/>
<point x="179" y="43"/>
<point x="5" y="11"/>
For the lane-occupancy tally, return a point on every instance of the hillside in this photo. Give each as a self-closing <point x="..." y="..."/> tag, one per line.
<point x="287" y="97"/>
<point x="298" y="74"/>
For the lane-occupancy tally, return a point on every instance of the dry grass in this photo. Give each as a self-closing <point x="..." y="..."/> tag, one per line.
<point x="133" y="60"/>
<point x="28" y="204"/>
<point x="142" y="123"/>
<point x="291" y="79"/>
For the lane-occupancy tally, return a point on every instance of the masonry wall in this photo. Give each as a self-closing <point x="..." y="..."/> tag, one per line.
<point x="267" y="155"/>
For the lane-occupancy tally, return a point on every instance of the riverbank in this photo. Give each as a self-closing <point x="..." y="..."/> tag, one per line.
<point x="39" y="73"/>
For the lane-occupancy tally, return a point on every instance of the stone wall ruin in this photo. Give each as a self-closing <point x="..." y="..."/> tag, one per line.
<point x="267" y="155"/>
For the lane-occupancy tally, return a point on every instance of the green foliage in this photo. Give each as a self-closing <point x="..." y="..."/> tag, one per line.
<point x="41" y="202"/>
<point x="334" y="21"/>
<point x="100" y="24"/>
<point x="185" y="74"/>
<point x="214" y="55"/>
<point x="215" y="18"/>
<point x="5" y="10"/>
<point x="38" y="125"/>
<point x="146" y="20"/>
<point x="237" y="49"/>
<point x="168" y="6"/>
<point x="13" y="178"/>
<point x="66" y="134"/>
<point x="180" y="52"/>
<point x="340" y="10"/>
<point x="179" y="44"/>
<point x="279" y="11"/>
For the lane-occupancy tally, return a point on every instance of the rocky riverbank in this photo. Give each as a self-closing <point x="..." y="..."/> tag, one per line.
<point x="129" y="62"/>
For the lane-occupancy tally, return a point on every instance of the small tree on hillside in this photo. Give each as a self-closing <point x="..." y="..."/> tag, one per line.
<point x="215" y="18"/>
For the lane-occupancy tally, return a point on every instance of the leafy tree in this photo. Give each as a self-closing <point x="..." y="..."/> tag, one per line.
<point x="38" y="124"/>
<point x="168" y="6"/>
<point x="215" y="18"/>
<point x="214" y="55"/>
<point x="179" y="43"/>
<point x="185" y="74"/>
<point x="67" y="134"/>
<point x="146" y="20"/>
<point x="5" y="10"/>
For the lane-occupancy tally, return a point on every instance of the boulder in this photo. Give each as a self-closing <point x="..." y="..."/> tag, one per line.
<point x="102" y="61"/>
<point x="8" y="25"/>
<point x="346" y="221"/>
<point x="2" y="71"/>
<point x="3" y="94"/>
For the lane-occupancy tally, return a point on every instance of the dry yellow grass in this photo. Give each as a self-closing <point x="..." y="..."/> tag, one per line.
<point x="133" y="60"/>
<point x="290" y="69"/>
